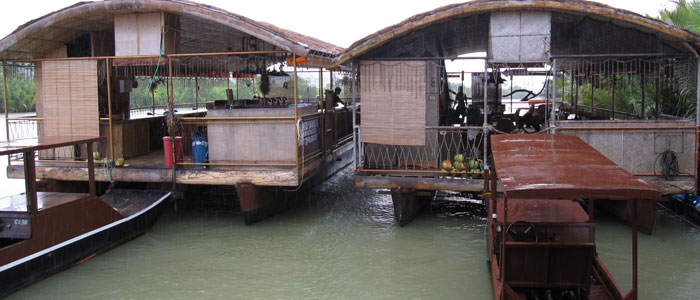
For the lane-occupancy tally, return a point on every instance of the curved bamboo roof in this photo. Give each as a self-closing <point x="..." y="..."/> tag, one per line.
<point x="62" y="26"/>
<point x="593" y="9"/>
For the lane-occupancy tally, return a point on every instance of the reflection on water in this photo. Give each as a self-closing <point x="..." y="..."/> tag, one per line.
<point x="341" y="243"/>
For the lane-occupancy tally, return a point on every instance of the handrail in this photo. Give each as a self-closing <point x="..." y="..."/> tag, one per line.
<point x="235" y="118"/>
<point x="25" y="119"/>
<point x="627" y="128"/>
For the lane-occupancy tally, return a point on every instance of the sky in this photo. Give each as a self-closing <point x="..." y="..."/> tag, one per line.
<point x="337" y="22"/>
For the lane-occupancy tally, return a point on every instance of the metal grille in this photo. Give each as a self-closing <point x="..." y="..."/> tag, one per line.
<point x="449" y="141"/>
<point x="628" y="89"/>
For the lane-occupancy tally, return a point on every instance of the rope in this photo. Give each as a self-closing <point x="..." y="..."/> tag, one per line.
<point x="669" y="164"/>
<point x="109" y="168"/>
<point x="153" y="78"/>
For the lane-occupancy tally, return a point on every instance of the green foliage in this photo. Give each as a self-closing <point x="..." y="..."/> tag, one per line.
<point x="685" y="15"/>
<point x="21" y="95"/>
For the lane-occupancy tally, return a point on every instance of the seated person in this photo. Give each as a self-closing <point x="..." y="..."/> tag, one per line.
<point x="336" y="97"/>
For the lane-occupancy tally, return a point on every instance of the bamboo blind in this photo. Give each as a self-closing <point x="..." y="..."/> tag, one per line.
<point x="393" y="100"/>
<point x="69" y="100"/>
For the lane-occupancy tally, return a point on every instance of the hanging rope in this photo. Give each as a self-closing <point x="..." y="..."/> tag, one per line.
<point x="669" y="164"/>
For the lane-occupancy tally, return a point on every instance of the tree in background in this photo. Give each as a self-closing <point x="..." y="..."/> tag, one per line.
<point x="20" y="93"/>
<point x="685" y="15"/>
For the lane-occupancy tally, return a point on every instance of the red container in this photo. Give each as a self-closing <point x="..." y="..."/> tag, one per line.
<point x="168" y="152"/>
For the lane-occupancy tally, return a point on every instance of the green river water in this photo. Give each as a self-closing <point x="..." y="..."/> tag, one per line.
<point x="341" y="243"/>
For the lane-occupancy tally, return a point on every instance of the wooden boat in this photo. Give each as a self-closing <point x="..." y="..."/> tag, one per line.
<point x="541" y="240"/>
<point x="43" y="232"/>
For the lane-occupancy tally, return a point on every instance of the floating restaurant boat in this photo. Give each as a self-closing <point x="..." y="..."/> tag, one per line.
<point x="610" y="76"/>
<point x="45" y="232"/>
<point x="187" y="94"/>
<point x="541" y="240"/>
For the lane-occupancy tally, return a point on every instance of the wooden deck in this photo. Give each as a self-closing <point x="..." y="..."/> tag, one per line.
<point x="151" y="169"/>
<point x="18" y="203"/>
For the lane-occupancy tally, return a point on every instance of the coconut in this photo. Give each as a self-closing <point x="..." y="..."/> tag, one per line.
<point x="446" y="164"/>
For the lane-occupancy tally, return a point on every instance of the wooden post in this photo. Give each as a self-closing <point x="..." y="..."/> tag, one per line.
<point x="91" y="169"/>
<point x="196" y="93"/>
<point x="486" y="113"/>
<point x="634" y="248"/>
<point x="153" y="101"/>
<point x="553" y="113"/>
<point x="592" y="88"/>
<point x="656" y="99"/>
<point x="643" y="85"/>
<point x="697" y="120"/>
<point x="296" y="113"/>
<point x="4" y="97"/>
<point x="614" y="84"/>
<point x="353" y="68"/>
<point x="109" y="109"/>
<point x="504" y="236"/>
<point x="30" y="182"/>
<point x="322" y="120"/>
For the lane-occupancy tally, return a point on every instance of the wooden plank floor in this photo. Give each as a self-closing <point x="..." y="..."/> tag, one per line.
<point x="18" y="203"/>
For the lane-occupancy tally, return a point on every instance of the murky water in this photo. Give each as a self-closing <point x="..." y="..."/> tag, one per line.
<point x="341" y="243"/>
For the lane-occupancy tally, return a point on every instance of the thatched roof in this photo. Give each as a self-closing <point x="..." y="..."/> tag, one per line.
<point x="594" y="9"/>
<point x="42" y="35"/>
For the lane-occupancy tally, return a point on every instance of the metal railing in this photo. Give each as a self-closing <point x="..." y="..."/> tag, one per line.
<point x="448" y="151"/>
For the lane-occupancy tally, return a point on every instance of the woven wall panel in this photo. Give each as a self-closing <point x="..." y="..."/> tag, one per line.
<point x="393" y="102"/>
<point x="69" y="101"/>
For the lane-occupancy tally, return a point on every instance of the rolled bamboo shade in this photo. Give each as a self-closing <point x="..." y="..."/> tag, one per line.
<point x="393" y="102"/>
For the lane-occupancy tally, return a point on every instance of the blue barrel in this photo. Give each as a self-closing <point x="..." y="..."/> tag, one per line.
<point x="200" y="150"/>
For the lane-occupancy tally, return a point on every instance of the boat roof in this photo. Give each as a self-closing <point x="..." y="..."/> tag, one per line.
<point x="39" y="36"/>
<point x="44" y="142"/>
<point x="557" y="166"/>
<point x="588" y="9"/>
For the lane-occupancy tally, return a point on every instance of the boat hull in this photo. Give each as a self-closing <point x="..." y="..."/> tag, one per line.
<point x="42" y="263"/>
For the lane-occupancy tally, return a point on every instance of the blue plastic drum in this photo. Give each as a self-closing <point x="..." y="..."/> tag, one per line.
<point x="200" y="150"/>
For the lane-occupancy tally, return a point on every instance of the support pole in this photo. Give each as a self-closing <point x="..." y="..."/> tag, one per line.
<point x="643" y="85"/>
<point x="30" y="182"/>
<point x="296" y="113"/>
<point x="614" y="85"/>
<point x="153" y="101"/>
<point x="171" y="122"/>
<point x="4" y="97"/>
<point x="353" y="67"/>
<point x="553" y="113"/>
<point x="91" y="169"/>
<point x="656" y="100"/>
<point x="697" y="120"/>
<point x="634" y="249"/>
<point x="109" y="109"/>
<point x="196" y="93"/>
<point x="592" y="89"/>
<point x="322" y="105"/>
<point x="486" y="114"/>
